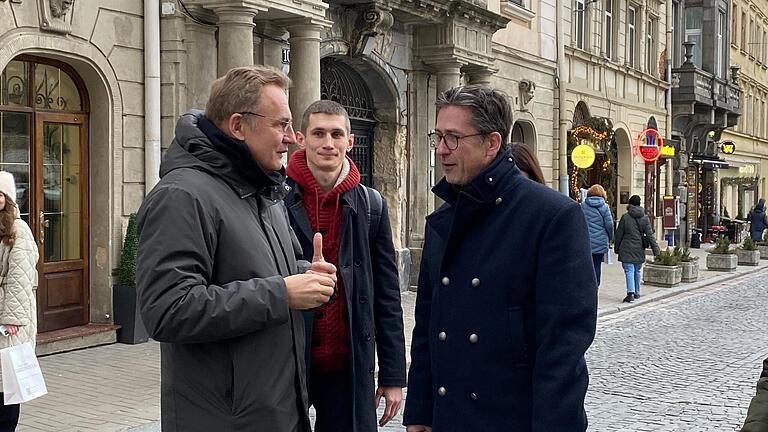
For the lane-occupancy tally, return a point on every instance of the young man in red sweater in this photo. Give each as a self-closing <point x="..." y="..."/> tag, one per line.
<point x="342" y="335"/>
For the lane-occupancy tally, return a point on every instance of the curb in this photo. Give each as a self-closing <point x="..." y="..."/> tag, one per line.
<point x="671" y="292"/>
<point x="149" y="427"/>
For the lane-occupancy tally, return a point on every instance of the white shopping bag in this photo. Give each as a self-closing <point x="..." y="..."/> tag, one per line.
<point x="608" y="257"/>
<point x="22" y="377"/>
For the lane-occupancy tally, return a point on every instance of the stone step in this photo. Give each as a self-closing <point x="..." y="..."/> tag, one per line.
<point x="73" y="338"/>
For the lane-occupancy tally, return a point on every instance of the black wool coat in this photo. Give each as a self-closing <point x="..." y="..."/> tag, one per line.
<point x="506" y="309"/>
<point x="372" y="293"/>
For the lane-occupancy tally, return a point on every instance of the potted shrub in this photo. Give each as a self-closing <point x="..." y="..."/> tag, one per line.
<point x="664" y="271"/>
<point x="720" y="257"/>
<point x="124" y="298"/>
<point x="688" y="263"/>
<point x="762" y="246"/>
<point x="748" y="253"/>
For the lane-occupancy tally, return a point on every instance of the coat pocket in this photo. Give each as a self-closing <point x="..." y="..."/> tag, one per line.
<point x="519" y="348"/>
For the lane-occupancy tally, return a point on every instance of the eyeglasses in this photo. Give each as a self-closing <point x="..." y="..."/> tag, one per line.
<point x="286" y="125"/>
<point x="451" y="140"/>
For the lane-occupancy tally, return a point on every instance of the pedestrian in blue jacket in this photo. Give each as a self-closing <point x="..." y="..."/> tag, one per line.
<point x="599" y="224"/>
<point x="504" y="310"/>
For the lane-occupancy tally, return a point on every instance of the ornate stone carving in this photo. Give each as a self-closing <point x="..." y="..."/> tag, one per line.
<point x="56" y="15"/>
<point x="372" y="21"/>
<point x="527" y="89"/>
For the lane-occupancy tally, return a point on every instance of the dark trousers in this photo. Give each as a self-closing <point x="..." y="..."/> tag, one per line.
<point x="597" y="260"/>
<point x="331" y="395"/>
<point x="9" y="416"/>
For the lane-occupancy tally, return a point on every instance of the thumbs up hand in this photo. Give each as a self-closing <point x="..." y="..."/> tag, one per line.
<point x="319" y="265"/>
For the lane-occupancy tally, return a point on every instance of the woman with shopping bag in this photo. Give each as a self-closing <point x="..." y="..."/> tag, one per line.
<point x="18" y="283"/>
<point x="600" y="225"/>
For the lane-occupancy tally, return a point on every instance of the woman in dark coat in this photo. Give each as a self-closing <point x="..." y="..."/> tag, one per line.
<point x="633" y="226"/>
<point x="758" y="221"/>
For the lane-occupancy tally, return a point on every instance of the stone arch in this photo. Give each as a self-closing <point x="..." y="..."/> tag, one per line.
<point x="625" y="177"/>
<point x="580" y="113"/>
<point x="525" y="131"/>
<point x="106" y="133"/>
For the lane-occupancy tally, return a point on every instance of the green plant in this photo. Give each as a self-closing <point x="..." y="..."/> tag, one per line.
<point x="722" y="246"/>
<point x="667" y="258"/>
<point x="749" y="244"/>
<point x="127" y="273"/>
<point x="684" y="254"/>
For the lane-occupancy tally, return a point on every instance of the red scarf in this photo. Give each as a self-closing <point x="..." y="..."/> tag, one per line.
<point x="331" y="350"/>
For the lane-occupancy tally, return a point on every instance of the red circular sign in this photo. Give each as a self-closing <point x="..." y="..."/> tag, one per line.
<point x="649" y="144"/>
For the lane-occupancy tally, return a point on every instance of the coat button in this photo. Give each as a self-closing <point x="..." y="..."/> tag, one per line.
<point x="499" y="200"/>
<point x="475" y="282"/>
<point x="441" y="391"/>
<point x="446" y="281"/>
<point x="510" y="159"/>
<point x="358" y="263"/>
<point x="490" y="180"/>
<point x="363" y="300"/>
<point x="442" y="336"/>
<point x="473" y="338"/>
<point x="473" y="396"/>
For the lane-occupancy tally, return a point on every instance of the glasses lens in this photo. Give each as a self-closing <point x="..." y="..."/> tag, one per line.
<point x="451" y="141"/>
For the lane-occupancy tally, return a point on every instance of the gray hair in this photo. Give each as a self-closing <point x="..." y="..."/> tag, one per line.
<point x="490" y="108"/>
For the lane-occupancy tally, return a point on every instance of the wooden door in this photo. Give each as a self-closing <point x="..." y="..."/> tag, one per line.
<point x="59" y="218"/>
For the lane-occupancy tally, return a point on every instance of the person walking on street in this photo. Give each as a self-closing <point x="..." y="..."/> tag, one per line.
<point x="757" y="413"/>
<point x="633" y="235"/>
<point x="218" y="280"/>
<point x="758" y="221"/>
<point x="326" y="196"/>
<point x="600" y="225"/>
<point x="18" y="270"/>
<point x="504" y="309"/>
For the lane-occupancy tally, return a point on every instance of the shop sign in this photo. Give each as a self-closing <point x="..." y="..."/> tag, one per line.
<point x="583" y="156"/>
<point x="649" y="145"/>
<point x="728" y="147"/>
<point x="747" y="169"/>
<point x="667" y="151"/>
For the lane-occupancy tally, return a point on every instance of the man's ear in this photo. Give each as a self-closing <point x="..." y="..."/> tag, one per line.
<point x="300" y="139"/>
<point x="351" y="142"/>
<point x="494" y="140"/>
<point x="235" y="124"/>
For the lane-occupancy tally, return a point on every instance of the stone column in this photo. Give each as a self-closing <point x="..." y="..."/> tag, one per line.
<point x="305" y="68"/>
<point x="235" y="37"/>
<point x="481" y="76"/>
<point x="448" y="77"/>
<point x="272" y="44"/>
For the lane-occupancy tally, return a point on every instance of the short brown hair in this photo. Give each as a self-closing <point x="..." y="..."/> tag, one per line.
<point x="597" y="190"/>
<point x="240" y="89"/>
<point x="324" y="106"/>
<point x="527" y="162"/>
<point x="8" y="222"/>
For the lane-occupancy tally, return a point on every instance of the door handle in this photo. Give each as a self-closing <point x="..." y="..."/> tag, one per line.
<point x="44" y="223"/>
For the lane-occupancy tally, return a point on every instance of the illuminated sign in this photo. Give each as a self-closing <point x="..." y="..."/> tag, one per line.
<point x="668" y="151"/>
<point x="583" y="156"/>
<point x="728" y="147"/>
<point x="649" y="145"/>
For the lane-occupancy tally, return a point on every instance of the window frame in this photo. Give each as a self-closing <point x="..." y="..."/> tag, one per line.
<point x="580" y="24"/>
<point x="632" y="36"/>
<point x="608" y="49"/>
<point x="650" y="40"/>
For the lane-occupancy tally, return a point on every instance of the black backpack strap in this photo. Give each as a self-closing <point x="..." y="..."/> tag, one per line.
<point x="373" y="208"/>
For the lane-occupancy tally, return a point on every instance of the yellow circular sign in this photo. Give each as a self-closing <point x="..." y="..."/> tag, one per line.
<point x="583" y="156"/>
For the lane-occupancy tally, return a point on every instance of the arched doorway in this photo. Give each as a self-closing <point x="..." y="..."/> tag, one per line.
<point x="523" y="131"/>
<point x="340" y="83"/>
<point x="44" y="143"/>
<point x="623" y="144"/>
<point x="595" y="133"/>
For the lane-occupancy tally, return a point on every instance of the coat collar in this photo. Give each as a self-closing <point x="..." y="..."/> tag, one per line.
<point x="484" y="187"/>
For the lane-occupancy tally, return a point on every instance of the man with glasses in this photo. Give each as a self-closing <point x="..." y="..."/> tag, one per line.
<point x="507" y="301"/>
<point x="219" y="282"/>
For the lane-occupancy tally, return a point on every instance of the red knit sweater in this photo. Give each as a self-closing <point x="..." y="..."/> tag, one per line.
<point x="331" y="350"/>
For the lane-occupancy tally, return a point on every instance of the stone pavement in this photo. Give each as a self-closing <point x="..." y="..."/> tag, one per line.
<point x="116" y="387"/>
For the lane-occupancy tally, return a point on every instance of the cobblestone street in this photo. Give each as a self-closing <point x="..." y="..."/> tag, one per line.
<point x="684" y="364"/>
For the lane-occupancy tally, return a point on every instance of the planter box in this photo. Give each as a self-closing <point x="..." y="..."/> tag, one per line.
<point x="664" y="276"/>
<point x="690" y="270"/>
<point x="763" y="251"/>
<point x="750" y="258"/>
<point x="126" y="313"/>
<point x="722" y="262"/>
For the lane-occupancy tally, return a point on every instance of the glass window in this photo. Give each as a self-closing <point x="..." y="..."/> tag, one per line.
<point x="56" y="90"/>
<point x="650" y="48"/>
<point x="15" y="142"/>
<point x="693" y="25"/>
<point x="734" y="25"/>
<point x="579" y="30"/>
<point x="721" y="53"/>
<point x="631" y="36"/>
<point x="14" y="84"/>
<point x="609" y="29"/>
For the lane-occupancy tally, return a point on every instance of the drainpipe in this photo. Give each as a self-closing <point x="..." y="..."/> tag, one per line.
<point x="670" y="43"/>
<point x="561" y="94"/>
<point x="151" y="94"/>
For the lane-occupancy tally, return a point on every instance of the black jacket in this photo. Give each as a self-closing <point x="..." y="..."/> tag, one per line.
<point x="214" y="246"/>
<point x="629" y="241"/>
<point x="758" y="222"/>
<point x="372" y="293"/>
<point x="506" y="309"/>
<point x="757" y="415"/>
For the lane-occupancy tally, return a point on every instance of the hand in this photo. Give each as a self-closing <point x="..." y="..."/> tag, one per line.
<point x="319" y="266"/>
<point x="393" y="396"/>
<point x="12" y="329"/>
<point x="308" y="290"/>
<point x="418" y="428"/>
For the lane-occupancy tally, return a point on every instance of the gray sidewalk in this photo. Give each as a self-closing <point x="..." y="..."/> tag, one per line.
<point x="116" y="387"/>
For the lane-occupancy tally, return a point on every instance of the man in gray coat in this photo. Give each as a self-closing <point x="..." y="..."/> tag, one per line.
<point x="218" y="280"/>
